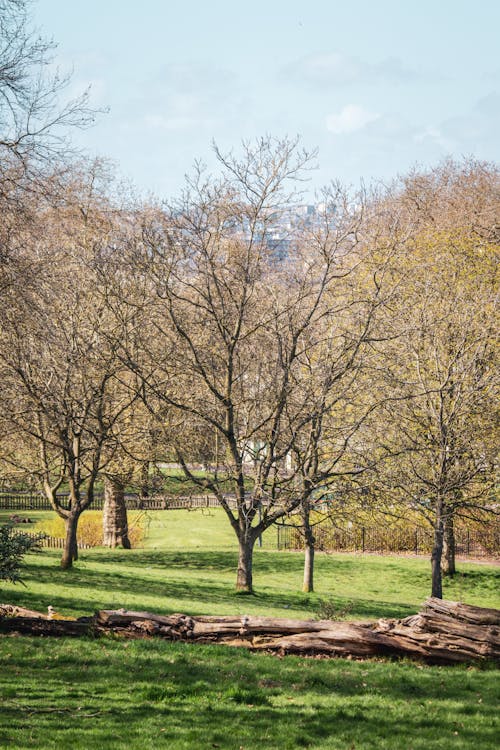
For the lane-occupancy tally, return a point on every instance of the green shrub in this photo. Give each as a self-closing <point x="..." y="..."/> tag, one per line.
<point x="13" y="546"/>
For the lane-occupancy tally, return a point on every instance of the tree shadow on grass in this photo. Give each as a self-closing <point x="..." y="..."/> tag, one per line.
<point x="202" y="582"/>
<point x="68" y="591"/>
<point x="196" y="693"/>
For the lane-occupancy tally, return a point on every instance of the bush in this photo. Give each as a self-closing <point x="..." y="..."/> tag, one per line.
<point x="13" y="546"/>
<point x="90" y="528"/>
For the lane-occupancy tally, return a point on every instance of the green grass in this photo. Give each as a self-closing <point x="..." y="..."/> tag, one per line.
<point x="81" y="693"/>
<point x="189" y="565"/>
<point x="175" y="482"/>
<point x="153" y="694"/>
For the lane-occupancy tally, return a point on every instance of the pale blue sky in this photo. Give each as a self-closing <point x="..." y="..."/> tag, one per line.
<point x="377" y="86"/>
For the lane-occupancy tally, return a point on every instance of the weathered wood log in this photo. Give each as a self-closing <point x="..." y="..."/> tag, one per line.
<point x="246" y="624"/>
<point x="39" y="626"/>
<point x="443" y="647"/>
<point x="463" y="612"/>
<point x="340" y="638"/>
<point x="13" y="610"/>
<point x="443" y="632"/>
<point x="123" y="617"/>
<point x="429" y="623"/>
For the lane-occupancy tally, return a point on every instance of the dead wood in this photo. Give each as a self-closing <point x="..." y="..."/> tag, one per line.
<point x="39" y="626"/>
<point x="12" y="610"/>
<point x="464" y="612"/>
<point x="443" y="632"/>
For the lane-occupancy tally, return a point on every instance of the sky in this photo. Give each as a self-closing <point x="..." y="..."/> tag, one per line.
<point x="377" y="86"/>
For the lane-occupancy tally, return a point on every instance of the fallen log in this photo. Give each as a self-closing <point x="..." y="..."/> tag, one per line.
<point x="443" y="632"/>
<point x="340" y="638"/>
<point x="434" y="646"/>
<point x="40" y="626"/>
<point x="463" y="612"/>
<point x="13" y="610"/>
<point x="445" y="626"/>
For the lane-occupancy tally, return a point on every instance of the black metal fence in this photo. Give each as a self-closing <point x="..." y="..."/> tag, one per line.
<point x="17" y="501"/>
<point x="471" y="542"/>
<point x="417" y="540"/>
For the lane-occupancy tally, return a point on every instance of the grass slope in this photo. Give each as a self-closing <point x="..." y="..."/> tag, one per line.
<point x="150" y="694"/>
<point x="189" y="565"/>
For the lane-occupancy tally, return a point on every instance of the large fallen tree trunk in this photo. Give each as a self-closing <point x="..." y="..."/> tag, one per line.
<point x="443" y="632"/>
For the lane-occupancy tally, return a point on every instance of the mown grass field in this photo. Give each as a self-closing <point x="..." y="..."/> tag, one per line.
<point x="144" y="694"/>
<point x="150" y="694"/>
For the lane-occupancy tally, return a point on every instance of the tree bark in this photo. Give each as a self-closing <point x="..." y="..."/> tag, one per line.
<point x="448" y="563"/>
<point x="114" y="517"/>
<point x="70" y="551"/>
<point x="309" y="541"/>
<point x="244" y="578"/>
<point x="144" y="480"/>
<point x="437" y="552"/>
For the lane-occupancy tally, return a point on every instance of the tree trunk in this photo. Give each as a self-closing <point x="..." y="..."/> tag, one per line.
<point x="144" y="480"/>
<point x="70" y="552"/>
<point x="244" y="580"/>
<point x="448" y="563"/>
<point x="437" y="552"/>
<point x="309" y="540"/>
<point x="308" y="584"/>
<point x="114" y="516"/>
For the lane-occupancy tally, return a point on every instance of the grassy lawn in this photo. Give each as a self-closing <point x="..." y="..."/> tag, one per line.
<point x="143" y="694"/>
<point x="175" y="482"/>
<point x="152" y="694"/>
<point x="189" y="565"/>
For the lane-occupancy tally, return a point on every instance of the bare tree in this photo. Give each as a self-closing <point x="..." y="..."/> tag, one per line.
<point x="246" y="346"/>
<point x="33" y="121"/>
<point x="65" y="391"/>
<point x="441" y="366"/>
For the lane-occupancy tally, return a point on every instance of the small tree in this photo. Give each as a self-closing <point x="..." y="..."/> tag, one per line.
<point x="13" y="546"/>
<point x="64" y="394"/>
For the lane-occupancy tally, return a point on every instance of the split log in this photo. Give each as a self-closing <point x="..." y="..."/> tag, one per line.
<point x="444" y="647"/>
<point x="39" y="626"/>
<point x="12" y="610"/>
<point x="447" y="626"/>
<point x="463" y="612"/>
<point x="175" y="627"/>
<point x="340" y="638"/>
<point x="123" y="617"/>
<point x="443" y="632"/>
<point x="205" y="626"/>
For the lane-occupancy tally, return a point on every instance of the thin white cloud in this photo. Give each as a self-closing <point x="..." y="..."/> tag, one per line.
<point x="336" y="69"/>
<point x="472" y="131"/>
<point x="350" y="119"/>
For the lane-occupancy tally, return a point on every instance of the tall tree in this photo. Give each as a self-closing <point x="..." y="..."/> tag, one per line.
<point x="244" y="343"/>
<point x="441" y="365"/>
<point x="65" y="391"/>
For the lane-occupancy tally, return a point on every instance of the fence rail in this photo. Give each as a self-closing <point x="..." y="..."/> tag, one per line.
<point x="34" y="501"/>
<point x="54" y="542"/>
<point x="471" y="542"/>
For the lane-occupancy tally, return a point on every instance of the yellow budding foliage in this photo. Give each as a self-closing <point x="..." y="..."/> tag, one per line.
<point x="90" y="528"/>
